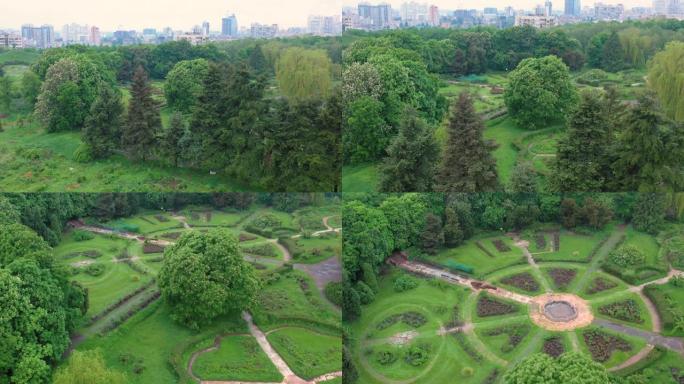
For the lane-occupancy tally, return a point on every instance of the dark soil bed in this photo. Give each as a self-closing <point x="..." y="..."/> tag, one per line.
<point x="161" y="218"/>
<point x="600" y="284"/>
<point x="601" y="345"/>
<point x="540" y="240"/>
<point x="152" y="248"/>
<point x="515" y="333"/>
<point x="553" y="346"/>
<point x="524" y="281"/>
<point x="501" y="246"/>
<point x="172" y="235"/>
<point x="626" y="310"/>
<point x="562" y="276"/>
<point x="487" y="306"/>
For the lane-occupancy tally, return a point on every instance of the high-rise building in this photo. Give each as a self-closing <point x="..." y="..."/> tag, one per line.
<point x="668" y="7"/>
<point x="94" y="38"/>
<point x="548" y="8"/>
<point x="433" y="16"/>
<point x="39" y="37"/>
<point x="608" y="11"/>
<point x="536" y="21"/>
<point x="10" y="40"/>
<point x="572" y="7"/>
<point x="539" y="10"/>
<point x="75" y="34"/>
<point x="263" y="31"/>
<point x="205" y="28"/>
<point x="375" y="16"/>
<point x="229" y="26"/>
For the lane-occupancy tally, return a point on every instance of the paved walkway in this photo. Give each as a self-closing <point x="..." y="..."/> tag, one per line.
<point x="673" y="343"/>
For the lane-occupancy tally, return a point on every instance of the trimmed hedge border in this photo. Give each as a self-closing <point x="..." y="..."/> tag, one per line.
<point x="119" y="303"/>
<point x="485" y="250"/>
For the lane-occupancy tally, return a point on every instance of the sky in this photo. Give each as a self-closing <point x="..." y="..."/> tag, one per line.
<point x="110" y="15"/>
<point x="517" y="4"/>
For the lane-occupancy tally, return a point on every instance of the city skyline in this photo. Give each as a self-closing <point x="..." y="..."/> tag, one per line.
<point x="480" y="4"/>
<point x="136" y="15"/>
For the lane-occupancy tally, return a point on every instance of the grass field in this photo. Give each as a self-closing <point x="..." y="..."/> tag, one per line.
<point x="311" y="250"/>
<point x="573" y="246"/>
<point x="360" y="178"/>
<point x="238" y="358"/>
<point x="309" y="354"/>
<point x="25" y="56"/>
<point x="470" y="254"/>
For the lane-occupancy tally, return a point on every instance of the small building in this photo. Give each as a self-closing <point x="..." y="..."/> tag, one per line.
<point x="535" y="21"/>
<point x="11" y="40"/>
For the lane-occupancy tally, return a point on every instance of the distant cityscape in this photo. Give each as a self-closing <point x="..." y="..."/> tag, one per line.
<point x="372" y="17"/>
<point x="47" y="36"/>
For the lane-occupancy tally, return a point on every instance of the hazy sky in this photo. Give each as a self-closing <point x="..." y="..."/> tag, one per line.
<point x="517" y="4"/>
<point x="178" y="14"/>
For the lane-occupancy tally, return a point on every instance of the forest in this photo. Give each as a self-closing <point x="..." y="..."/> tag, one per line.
<point x="217" y="117"/>
<point x="583" y="107"/>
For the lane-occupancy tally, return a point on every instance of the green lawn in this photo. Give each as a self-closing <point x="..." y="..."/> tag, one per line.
<point x="441" y="303"/>
<point x="504" y="132"/>
<point x="26" y="56"/>
<point x="210" y="217"/>
<point x="470" y="254"/>
<point x="307" y="353"/>
<point x="617" y="356"/>
<point x="573" y="246"/>
<point x="315" y="249"/>
<point x="311" y="218"/>
<point x="36" y="161"/>
<point x="646" y="322"/>
<point x="146" y="223"/>
<point x="238" y="358"/>
<point x="360" y="178"/>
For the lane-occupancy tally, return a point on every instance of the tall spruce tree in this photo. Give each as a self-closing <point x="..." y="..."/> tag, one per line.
<point x="649" y="150"/>
<point x="580" y="163"/>
<point x="144" y="121"/>
<point x="432" y="238"/>
<point x="612" y="58"/>
<point x="173" y="139"/>
<point x="453" y="234"/>
<point x="467" y="165"/>
<point x="410" y="162"/>
<point x="103" y="126"/>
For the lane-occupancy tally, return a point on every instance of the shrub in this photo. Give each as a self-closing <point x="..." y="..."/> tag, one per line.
<point x="82" y="235"/>
<point x="83" y="154"/>
<point x="404" y="283"/>
<point x="385" y="357"/>
<point x="266" y="221"/>
<point x="417" y="355"/>
<point x="467" y="371"/>
<point x="95" y="269"/>
<point x="626" y="310"/>
<point x="365" y="293"/>
<point x="627" y="255"/>
<point x="333" y="291"/>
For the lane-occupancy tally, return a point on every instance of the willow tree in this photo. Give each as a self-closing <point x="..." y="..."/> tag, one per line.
<point x="304" y="74"/>
<point x="666" y="77"/>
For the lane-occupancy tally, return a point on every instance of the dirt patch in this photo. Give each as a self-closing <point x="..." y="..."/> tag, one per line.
<point x="81" y="264"/>
<point x="403" y="338"/>
<point x="582" y="318"/>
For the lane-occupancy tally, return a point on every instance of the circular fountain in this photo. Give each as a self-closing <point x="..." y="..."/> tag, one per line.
<point x="560" y="311"/>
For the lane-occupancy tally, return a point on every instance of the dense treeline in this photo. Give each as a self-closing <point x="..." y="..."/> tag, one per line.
<point x="48" y="213"/>
<point x="376" y="225"/>
<point x="226" y="116"/>
<point x="392" y="106"/>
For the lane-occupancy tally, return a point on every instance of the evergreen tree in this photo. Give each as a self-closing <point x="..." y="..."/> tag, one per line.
<point x="173" y="138"/>
<point x="523" y="179"/>
<point x="649" y="212"/>
<point x="569" y="213"/>
<point x="649" y="150"/>
<point x="432" y="238"/>
<point x="103" y="126"/>
<point x="612" y="58"/>
<point x="409" y="165"/>
<point x="144" y="121"/>
<point x="351" y="303"/>
<point x="453" y="234"/>
<point x="257" y="60"/>
<point x="351" y="375"/>
<point x="580" y="158"/>
<point x="467" y="165"/>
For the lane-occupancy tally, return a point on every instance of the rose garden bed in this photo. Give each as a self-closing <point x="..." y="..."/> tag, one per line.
<point x="501" y="246"/>
<point x="488" y="306"/>
<point x="626" y="310"/>
<point x="515" y="333"/>
<point x="600" y="284"/>
<point x="602" y="345"/>
<point x="562" y="277"/>
<point x="414" y="319"/>
<point x="152" y="248"/>
<point x="553" y="346"/>
<point x="524" y="281"/>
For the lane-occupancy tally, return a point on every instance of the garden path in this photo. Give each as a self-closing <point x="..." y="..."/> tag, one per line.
<point x="634" y="359"/>
<point x="327" y="230"/>
<point x="602" y="252"/>
<point x="524" y="246"/>
<point x="673" y="343"/>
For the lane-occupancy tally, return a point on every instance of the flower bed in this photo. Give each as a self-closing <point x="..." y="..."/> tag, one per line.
<point x="487" y="306"/>
<point x="562" y="276"/>
<point x="601" y="345"/>
<point x="600" y="284"/>
<point x="501" y="246"/>
<point x="553" y="346"/>
<point x="161" y="218"/>
<point x="413" y="319"/>
<point x="152" y="248"/>
<point x="515" y="333"/>
<point x="626" y="310"/>
<point x="540" y="240"/>
<point x="524" y="281"/>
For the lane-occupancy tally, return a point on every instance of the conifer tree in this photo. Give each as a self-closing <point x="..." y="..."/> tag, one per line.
<point x="581" y="155"/>
<point x="649" y="150"/>
<point x="453" y="234"/>
<point x="172" y="143"/>
<point x="257" y="60"/>
<point x="144" y="121"/>
<point x="523" y="179"/>
<point x="467" y="165"/>
<point x="410" y="162"/>
<point x="103" y="126"/>
<point x="432" y="238"/>
<point x="612" y="59"/>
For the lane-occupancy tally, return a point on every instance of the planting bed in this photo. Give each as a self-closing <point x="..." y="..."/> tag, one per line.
<point x="524" y="281"/>
<point x="602" y="345"/>
<point x="488" y="306"/>
<point x="562" y="277"/>
<point x="553" y="346"/>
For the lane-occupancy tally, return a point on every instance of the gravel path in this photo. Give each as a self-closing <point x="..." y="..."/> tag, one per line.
<point x="673" y="343"/>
